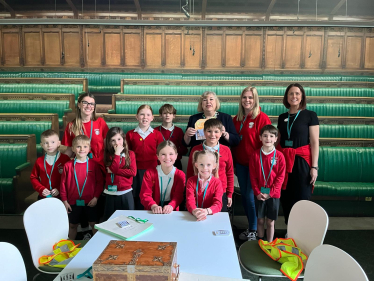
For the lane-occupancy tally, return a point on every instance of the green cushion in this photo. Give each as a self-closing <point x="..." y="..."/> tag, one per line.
<point x="11" y="156"/>
<point x="346" y="131"/>
<point x="7" y="198"/>
<point x="354" y="189"/>
<point x="34" y="106"/>
<point x="24" y="127"/>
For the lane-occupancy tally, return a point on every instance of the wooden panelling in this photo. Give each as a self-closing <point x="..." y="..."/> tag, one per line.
<point x="214" y="51"/>
<point x="252" y="52"/>
<point x="10" y="49"/>
<point x="353" y="55"/>
<point x="153" y="50"/>
<point x="32" y="48"/>
<point x="71" y="48"/>
<point x="313" y="51"/>
<point x="334" y="52"/>
<point x="293" y="51"/>
<point x="52" y="48"/>
<point x="132" y="49"/>
<point x="173" y="50"/>
<point x="273" y="53"/>
<point x="192" y="51"/>
<point x="369" y="52"/>
<point x="93" y="48"/>
<point x="112" y="49"/>
<point x="233" y="50"/>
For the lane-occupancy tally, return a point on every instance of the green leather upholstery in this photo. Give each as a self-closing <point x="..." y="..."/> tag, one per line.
<point x="11" y="156"/>
<point x="127" y="126"/>
<point x="7" y="197"/>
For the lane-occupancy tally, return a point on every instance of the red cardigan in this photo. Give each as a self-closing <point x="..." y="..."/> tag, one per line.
<point x="122" y="176"/>
<point x="225" y="171"/>
<point x="213" y="197"/>
<point x="150" y="190"/>
<point x="38" y="177"/>
<point x="277" y="174"/>
<point x="176" y="138"/>
<point x="94" y="185"/>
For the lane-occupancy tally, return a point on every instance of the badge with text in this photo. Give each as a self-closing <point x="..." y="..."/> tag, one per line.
<point x="265" y="190"/>
<point x="112" y="188"/>
<point x="80" y="203"/>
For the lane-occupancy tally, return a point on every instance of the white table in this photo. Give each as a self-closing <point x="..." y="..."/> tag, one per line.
<point x="198" y="250"/>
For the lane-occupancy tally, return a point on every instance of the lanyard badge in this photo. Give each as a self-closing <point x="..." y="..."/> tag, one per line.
<point x="112" y="187"/>
<point x="197" y="194"/>
<point x="89" y="154"/>
<point x="289" y="143"/>
<point x="265" y="189"/>
<point x="80" y="202"/>
<point x="49" y="176"/>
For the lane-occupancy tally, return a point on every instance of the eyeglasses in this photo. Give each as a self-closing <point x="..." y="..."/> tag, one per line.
<point x="85" y="103"/>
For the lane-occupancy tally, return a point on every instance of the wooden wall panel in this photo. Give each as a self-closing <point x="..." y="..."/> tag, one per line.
<point x="71" y="48"/>
<point x="252" y="53"/>
<point x="334" y="52"/>
<point x="273" y="53"/>
<point x="10" y="49"/>
<point x="192" y="51"/>
<point x="293" y="51"/>
<point x="132" y="49"/>
<point x="112" y="49"/>
<point x="353" y="55"/>
<point x="153" y="50"/>
<point x="93" y="48"/>
<point x="173" y="50"/>
<point x="233" y="50"/>
<point x="313" y="51"/>
<point x="32" y="48"/>
<point x="52" y="48"/>
<point x="214" y="51"/>
<point x="369" y="52"/>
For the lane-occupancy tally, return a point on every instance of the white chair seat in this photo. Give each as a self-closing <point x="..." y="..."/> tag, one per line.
<point x="12" y="266"/>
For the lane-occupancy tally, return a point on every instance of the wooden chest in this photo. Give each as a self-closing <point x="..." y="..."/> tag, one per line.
<point x="137" y="261"/>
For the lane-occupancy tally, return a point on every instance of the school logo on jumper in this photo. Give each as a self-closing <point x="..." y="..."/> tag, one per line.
<point x="285" y="120"/>
<point x="97" y="132"/>
<point x="250" y="125"/>
<point x="274" y="160"/>
<point x="60" y="169"/>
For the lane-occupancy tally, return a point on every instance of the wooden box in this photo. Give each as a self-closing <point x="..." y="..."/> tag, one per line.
<point x="137" y="261"/>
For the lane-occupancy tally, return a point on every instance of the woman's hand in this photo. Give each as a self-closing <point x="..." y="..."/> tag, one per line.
<point x="314" y="175"/>
<point x="188" y="134"/>
<point x="225" y="134"/>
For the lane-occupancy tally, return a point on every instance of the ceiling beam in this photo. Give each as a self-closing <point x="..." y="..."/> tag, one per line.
<point x="270" y="8"/>
<point x="138" y="10"/>
<point x="75" y="11"/>
<point x="203" y="9"/>
<point x="336" y="8"/>
<point x="10" y="10"/>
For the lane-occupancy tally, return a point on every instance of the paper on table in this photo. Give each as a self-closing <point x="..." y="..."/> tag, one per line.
<point x="135" y="228"/>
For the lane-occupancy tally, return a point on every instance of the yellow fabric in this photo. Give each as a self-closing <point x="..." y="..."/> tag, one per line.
<point x="286" y="252"/>
<point x="58" y="256"/>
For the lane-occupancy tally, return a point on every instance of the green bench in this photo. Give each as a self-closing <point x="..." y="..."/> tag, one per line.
<point x="19" y="123"/>
<point x="17" y="157"/>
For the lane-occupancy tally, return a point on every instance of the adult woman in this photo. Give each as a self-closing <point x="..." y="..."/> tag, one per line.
<point x="248" y="123"/>
<point x="299" y="131"/>
<point x="208" y="106"/>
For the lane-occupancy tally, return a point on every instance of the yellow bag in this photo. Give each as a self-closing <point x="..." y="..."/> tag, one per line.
<point x="63" y="252"/>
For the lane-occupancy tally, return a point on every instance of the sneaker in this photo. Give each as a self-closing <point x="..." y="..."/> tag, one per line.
<point x="244" y="234"/>
<point x="87" y="236"/>
<point x="251" y="236"/>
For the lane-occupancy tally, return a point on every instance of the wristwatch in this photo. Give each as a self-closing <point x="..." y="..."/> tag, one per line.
<point x="315" y="168"/>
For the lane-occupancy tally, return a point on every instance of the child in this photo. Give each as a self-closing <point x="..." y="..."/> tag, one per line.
<point x="81" y="184"/>
<point x="204" y="190"/>
<point x="46" y="173"/>
<point x="120" y="165"/>
<point x="163" y="186"/>
<point x="267" y="169"/>
<point x="213" y="132"/>
<point x="171" y="132"/>
<point x="143" y="141"/>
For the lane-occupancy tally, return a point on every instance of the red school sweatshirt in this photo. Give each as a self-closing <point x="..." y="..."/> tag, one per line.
<point x="176" y="138"/>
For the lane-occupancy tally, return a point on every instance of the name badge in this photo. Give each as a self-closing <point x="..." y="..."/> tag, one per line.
<point x="80" y="203"/>
<point x="288" y="143"/>
<point x="49" y="196"/>
<point x="265" y="190"/>
<point x="112" y="188"/>
<point x="90" y="155"/>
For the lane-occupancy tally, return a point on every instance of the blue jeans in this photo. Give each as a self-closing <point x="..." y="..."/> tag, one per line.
<point x="242" y="172"/>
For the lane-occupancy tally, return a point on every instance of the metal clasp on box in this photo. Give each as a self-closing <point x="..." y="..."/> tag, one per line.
<point x="176" y="278"/>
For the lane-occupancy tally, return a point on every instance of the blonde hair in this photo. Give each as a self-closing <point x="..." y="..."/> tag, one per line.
<point x="203" y="96"/>
<point x="164" y="144"/>
<point x="144" y="106"/>
<point x="81" y="138"/>
<point x="76" y="126"/>
<point x="196" y="155"/>
<point x="256" y="104"/>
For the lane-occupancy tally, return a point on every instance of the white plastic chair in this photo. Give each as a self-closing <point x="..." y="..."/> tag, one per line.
<point x="46" y="222"/>
<point x="329" y="263"/>
<point x="307" y="225"/>
<point x="12" y="266"/>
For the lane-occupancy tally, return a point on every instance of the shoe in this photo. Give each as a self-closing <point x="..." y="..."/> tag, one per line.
<point x="244" y="234"/>
<point x="87" y="236"/>
<point x="251" y="236"/>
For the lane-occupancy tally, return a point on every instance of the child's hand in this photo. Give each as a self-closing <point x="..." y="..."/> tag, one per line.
<point x="93" y="202"/>
<point x="46" y="192"/>
<point x="260" y="197"/>
<point x="200" y="214"/>
<point x="118" y="149"/>
<point x="229" y="202"/>
<point x="67" y="206"/>
<point x="156" y="209"/>
<point x="109" y="171"/>
<point x="55" y="192"/>
<point x="266" y="196"/>
<point x="167" y="209"/>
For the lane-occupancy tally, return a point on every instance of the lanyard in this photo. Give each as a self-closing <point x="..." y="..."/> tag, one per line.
<point x="262" y="167"/>
<point x="241" y="125"/>
<point x="163" y="134"/>
<point x="91" y="130"/>
<point x="45" y="168"/>
<point x="80" y="193"/>
<point x="112" y="175"/>
<point x="288" y="124"/>
<point x="163" y="199"/>
<point x="205" y="148"/>
<point x="197" y="194"/>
